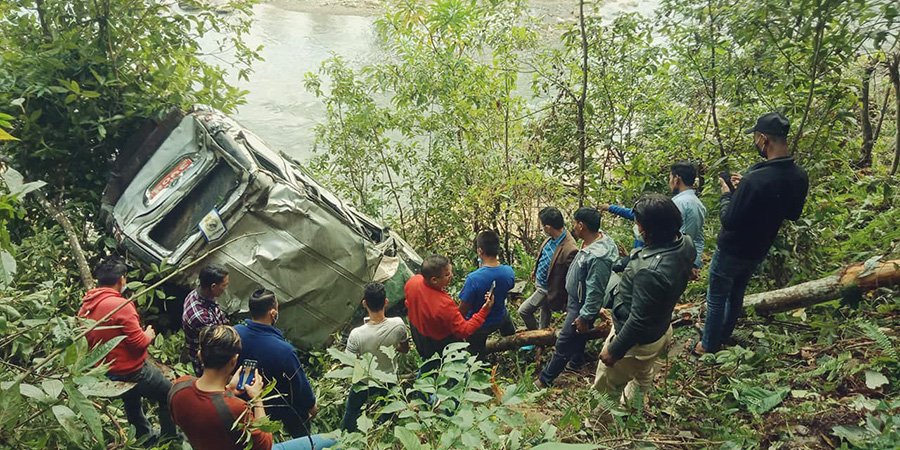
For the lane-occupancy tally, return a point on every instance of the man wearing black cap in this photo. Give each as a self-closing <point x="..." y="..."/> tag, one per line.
<point x="751" y="215"/>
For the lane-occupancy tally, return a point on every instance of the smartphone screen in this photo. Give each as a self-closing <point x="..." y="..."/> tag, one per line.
<point x="246" y="372"/>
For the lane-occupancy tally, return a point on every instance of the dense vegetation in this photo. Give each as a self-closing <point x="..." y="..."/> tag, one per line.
<point x="480" y="116"/>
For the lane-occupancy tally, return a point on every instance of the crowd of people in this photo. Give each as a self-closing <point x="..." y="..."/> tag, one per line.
<point x="578" y="270"/>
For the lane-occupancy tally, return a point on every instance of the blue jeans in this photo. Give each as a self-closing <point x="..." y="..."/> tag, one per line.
<point x="728" y="279"/>
<point x="319" y="441"/>
<point x="569" y="346"/>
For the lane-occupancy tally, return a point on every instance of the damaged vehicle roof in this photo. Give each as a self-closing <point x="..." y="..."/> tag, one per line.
<point x="199" y="181"/>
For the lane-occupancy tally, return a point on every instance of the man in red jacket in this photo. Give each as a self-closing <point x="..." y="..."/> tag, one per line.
<point x="127" y="360"/>
<point x="434" y="316"/>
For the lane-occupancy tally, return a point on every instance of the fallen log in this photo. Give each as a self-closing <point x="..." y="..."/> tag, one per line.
<point x="853" y="279"/>
<point x="543" y="337"/>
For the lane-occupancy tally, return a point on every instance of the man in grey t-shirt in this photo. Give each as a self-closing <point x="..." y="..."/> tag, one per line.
<point x="378" y="331"/>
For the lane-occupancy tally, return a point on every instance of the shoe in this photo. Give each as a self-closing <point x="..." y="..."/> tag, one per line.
<point x="539" y="385"/>
<point x="526" y="348"/>
<point x="572" y="367"/>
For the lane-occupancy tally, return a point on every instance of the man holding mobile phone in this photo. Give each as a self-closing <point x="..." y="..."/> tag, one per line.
<point x="751" y="211"/>
<point x="491" y="277"/>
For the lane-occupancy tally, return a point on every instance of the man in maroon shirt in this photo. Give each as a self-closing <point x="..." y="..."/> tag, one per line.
<point x="206" y="408"/>
<point x="434" y="316"/>
<point x="128" y="359"/>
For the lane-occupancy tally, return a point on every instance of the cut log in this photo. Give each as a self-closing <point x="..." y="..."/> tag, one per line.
<point x="544" y="337"/>
<point x="860" y="277"/>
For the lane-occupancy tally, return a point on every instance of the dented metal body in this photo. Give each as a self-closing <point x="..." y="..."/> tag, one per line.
<point x="283" y="230"/>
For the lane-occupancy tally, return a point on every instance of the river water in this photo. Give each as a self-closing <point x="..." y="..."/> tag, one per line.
<point x="278" y="108"/>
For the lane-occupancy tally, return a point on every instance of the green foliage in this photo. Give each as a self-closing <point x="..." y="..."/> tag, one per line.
<point x="450" y="407"/>
<point x="78" y="77"/>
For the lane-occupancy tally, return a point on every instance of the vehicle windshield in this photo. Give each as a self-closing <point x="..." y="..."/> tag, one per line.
<point x="212" y="192"/>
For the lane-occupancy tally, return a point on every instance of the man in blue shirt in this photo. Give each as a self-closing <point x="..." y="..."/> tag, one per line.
<point x="277" y="360"/>
<point x="478" y="283"/>
<point x="682" y="176"/>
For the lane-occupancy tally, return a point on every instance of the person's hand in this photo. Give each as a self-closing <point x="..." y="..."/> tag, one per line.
<point x="313" y="411"/>
<point x="150" y="333"/>
<point x="603" y="207"/>
<point x="488" y="301"/>
<point x="581" y="326"/>
<point x="724" y="186"/>
<point x="695" y="274"/>
<point x="253" y="390"/>
<point x="606" y="357"/>
<point x="736" y="179"/>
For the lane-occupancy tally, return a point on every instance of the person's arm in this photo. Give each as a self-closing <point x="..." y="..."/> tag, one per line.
<point x="595" y="288"/>
<point x="647" y="286"/>
<point x="621" y="211"/>
<point x="692" y="225"/>
<point x="303" y="398"/>
<point x="135" y="337"/>
<point x="467" y="302"/>
<point x="735" y="208"/>
<point x="462" y="328"/>
<point x="353" y="343"/>
<point x="797" y="209"/>
<point x="402" y="338"/>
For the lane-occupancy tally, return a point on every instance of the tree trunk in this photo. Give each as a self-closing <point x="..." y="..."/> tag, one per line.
<point x="894" y="69"/>
<point x="829" y="288"/>
<point x="582" y="136"/>
<point x="544" y="337"/>
<point x="865" y="159"/>
<point x="84" y="270"/>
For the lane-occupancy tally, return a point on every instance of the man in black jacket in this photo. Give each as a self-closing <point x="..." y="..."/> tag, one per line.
<point x="751" y="214"/>
<point x="642" y="302"/>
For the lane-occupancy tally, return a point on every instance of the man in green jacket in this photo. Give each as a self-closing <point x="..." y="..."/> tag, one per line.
<point x="586" y="285"/>
<point x="643" y="301"/>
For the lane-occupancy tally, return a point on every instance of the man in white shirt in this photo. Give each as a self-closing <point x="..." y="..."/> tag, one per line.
<point x="378" y="331"/>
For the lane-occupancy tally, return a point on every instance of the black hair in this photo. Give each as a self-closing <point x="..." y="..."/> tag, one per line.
<point x="489" y="242"/>
<point x="212" y="274"/>
<point x="433" y="266"/>
<point x="590" y="217"/>
<point x="659" y="217"/>
<point x="261" y="302"/>
<point x="685" y="170"/>
<point x="218" y="344"/>
<point x="552" y="216"/>
<point x="777" y="139"/>
<point x="109" y="272"/>
<point x="375" y="296"/>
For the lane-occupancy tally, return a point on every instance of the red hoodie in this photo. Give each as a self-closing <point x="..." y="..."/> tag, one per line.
<point x="130" y="354"/>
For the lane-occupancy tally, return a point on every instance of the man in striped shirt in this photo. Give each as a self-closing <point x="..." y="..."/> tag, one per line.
<point x="202" y="310"/>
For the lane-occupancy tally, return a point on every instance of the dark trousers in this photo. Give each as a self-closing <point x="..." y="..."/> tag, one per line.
<point x="150" y="384"/>
<point x="728" y="279"/>
<point x="293" y="423"/>
<point x="427" y="347"/>
<point x="569" y="346"/>
<point x="355" y="403"/>
<point x="478" y="340"/>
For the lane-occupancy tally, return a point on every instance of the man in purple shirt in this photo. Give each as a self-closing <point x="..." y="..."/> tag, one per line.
<point x="201" y="310"/>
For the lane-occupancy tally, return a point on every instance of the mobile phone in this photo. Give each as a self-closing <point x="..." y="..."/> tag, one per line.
<point x="493" y="285"/>
<point x="246" y="374"/>
<point x="726" y="177"/>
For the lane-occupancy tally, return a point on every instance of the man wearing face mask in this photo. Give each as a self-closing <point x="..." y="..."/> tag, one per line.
<point x="277" y="359"/>
<point x="751" y="214"/>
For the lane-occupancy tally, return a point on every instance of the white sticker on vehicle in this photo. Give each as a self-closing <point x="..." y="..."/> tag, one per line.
<point x="212" y="226"/>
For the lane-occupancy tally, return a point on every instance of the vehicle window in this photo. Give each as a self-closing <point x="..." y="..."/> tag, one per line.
<point x="182" y="220"/>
